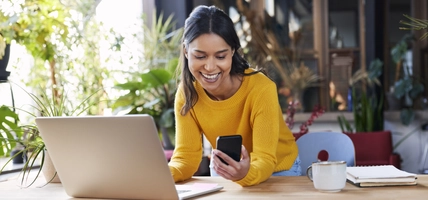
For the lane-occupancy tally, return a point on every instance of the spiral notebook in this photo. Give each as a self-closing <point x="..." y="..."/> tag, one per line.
<point x="384" y="175"/>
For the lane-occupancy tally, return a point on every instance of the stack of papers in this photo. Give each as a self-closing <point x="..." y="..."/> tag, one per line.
<point x="385" y="175"/>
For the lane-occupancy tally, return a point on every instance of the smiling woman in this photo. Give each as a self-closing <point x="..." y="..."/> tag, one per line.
<point x="210" y="62"/>
<point x="218" y="95"/>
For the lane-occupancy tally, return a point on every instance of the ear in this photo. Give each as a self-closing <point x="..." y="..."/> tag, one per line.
<point x="233" y="52"/>
<point x="185" y="51"/>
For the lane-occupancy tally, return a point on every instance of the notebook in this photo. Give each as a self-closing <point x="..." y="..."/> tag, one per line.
<point x="115" y="157"/>
<point x="384" y="175"/>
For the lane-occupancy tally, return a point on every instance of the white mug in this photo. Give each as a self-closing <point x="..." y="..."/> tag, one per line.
<point x="328" y="176"/>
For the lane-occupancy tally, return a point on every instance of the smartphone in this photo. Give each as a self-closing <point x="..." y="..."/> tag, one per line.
<point x="230" y="145"/>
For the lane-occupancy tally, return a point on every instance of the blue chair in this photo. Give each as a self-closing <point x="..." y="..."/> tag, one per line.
<point x="332" y="146"/>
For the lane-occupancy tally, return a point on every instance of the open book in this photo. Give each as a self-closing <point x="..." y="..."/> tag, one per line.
<point x="385" y="175"/>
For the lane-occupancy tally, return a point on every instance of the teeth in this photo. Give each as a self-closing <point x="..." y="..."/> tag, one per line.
<point x="210" y="76"/>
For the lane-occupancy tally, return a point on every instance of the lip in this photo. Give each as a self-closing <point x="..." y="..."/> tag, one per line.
<point x="213" y="77"/>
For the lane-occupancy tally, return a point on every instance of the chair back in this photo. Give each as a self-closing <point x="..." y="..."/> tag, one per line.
<point x="337" y="146"/>
<point x="373" y="148"/>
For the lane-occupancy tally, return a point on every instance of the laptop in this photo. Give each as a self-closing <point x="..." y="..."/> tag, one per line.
<point x="113" y="157"/>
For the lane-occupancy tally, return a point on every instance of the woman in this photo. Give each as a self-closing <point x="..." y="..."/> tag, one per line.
<point x="220" y="95"/>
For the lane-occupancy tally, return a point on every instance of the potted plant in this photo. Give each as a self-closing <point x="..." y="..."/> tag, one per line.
<point x="153" y="91"/>
<point x="373" y="145"/>
<point x="282" y="52"/>
<point x="154" y="94"/>
<point x="367" y="109"/>
<point x="33" y="146"/>
<point x="406" y="87"/>
<point x="52" y="31"/>
<point x="31" y="23"/>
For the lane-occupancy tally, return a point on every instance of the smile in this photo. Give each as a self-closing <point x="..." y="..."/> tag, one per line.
<point x="207" y="76"/>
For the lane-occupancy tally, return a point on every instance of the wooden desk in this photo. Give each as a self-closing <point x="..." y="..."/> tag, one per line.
<point x="274" y="188"/>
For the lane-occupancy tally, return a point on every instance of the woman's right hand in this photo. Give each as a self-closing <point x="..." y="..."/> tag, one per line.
<point x="235" y="170"/>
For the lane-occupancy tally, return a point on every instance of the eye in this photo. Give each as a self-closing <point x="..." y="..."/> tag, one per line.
<point x="221" y="57"/>
<point x="199" y="57"/>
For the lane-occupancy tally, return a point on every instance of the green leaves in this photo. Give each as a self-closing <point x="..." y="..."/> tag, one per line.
<point x="366" y="107"/>
<point x="367" y="112"/>
<point x="63" y="105"/>
<point x="405" y="86"/>
<point x="9" y="130"/>
<point x="398" y="52"/>
<point x="155" y="77"/>
<point x="364" y="113"/>
<point x="28" y="135"/>
<point x="153" y="93"/>
<point x="161" y="42"/>
<point x="402" y="86"/>
<point x="167" y="118"/>
<point x="417" y="89"/>
<point x="416" y="24"/>
<point x="345" y="126"/>
<point x="34" y="25"/>
<point x="370" y="76"/>
<point x="375" y="70"/>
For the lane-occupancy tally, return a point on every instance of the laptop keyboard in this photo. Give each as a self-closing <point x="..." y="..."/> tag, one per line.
<point x="183" y="191"/>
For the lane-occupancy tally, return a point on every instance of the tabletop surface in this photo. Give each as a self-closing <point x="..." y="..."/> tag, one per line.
<point x="298" y="187"/>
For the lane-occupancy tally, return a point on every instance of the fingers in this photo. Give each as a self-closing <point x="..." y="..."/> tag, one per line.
<point x="235" y="170"/>
<point x="244" y="153"/>
<point x="223" y="171"/>
<point x="223" y="157"/>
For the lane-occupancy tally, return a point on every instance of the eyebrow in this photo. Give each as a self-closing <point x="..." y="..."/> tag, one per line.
<point x="221" y="51"/>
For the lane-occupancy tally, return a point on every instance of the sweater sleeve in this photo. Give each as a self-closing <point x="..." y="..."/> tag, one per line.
<point x="188" y="143"/>
<point x="266" y="128"/>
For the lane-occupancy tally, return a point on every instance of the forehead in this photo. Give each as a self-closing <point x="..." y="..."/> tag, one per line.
<point x="208" y="42"/>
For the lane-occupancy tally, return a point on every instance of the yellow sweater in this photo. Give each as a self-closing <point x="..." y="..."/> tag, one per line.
<point x="253" y="112"/>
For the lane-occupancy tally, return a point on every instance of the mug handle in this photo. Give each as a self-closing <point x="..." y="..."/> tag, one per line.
<point x="309" y="173"/>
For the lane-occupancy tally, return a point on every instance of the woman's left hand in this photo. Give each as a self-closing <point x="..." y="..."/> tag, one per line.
<point x="235" y="170"/>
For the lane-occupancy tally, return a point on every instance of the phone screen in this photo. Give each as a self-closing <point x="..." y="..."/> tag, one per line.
<point x="230" y="145"/>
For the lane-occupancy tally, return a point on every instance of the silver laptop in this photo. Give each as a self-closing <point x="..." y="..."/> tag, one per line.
<point x="117" y="157"/>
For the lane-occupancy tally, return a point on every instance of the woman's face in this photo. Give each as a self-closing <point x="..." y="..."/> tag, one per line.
<point x="210" y="61"/>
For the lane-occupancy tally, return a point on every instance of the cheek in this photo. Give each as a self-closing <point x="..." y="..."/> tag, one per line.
<point x="194" y="65"/>
<point x="226" y="64"/>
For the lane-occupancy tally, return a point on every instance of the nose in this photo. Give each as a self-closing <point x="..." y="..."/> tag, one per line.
<point x="210" y="65"/>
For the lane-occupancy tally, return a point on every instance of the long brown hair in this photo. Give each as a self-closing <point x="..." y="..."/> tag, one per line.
<point x="203" y="20"/>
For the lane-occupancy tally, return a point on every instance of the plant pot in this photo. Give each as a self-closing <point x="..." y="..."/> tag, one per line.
<point x="298" y="100"/>
<point x="49" y="170"/>
<point x="20" y="158"/>
<point x="3" y="64"/>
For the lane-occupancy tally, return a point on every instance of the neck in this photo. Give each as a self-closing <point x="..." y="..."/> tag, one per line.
<point x="233" y="87"/>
